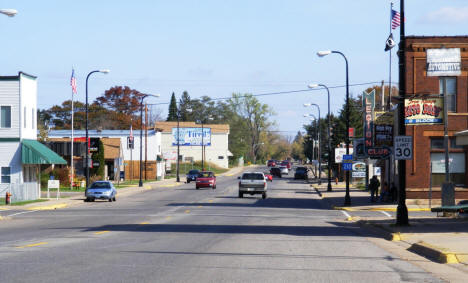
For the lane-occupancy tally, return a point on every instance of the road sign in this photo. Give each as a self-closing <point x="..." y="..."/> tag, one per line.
<point x="53" y="184"/>
<point x="347" y="157"/>
<point x="347" y="166"/>
<point x="403" y="147"/>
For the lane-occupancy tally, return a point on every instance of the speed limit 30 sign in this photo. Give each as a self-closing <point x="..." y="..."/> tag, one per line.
<point x="403" y="147"/>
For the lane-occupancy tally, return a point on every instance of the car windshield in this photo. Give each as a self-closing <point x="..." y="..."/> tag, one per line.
<point x="301" y="169"/>
<point x="100" y="185"/>
<point x="252" y="176"/>
<point x="193" y="172"/>
<point x="205" y="174"/>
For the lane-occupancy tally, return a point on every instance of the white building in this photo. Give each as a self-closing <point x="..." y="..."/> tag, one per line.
<point x="20" y="153"/>
<point x="216" y="140"/>
<point x="118" y="153"/>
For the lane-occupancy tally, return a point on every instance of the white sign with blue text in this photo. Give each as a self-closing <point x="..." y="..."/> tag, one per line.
<point x="192" y="136"/>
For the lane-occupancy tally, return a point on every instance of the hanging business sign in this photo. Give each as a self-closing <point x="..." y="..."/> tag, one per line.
<point x="443" y="62"/>
<point x="383" y="135"/>
<point x="369" y="103"/>
<point x="192" y="136"/>
<point x="424" y="111"/>
<point x="359" y="170"/>
<point x="340" y="152"/>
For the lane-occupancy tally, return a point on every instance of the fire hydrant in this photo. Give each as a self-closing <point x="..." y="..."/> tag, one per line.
<point x="7" y="198"/>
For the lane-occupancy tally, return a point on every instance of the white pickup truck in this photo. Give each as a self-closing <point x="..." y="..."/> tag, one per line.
<point x="252" y="183"/>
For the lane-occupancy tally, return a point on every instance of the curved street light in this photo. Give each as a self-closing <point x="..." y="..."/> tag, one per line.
<point x="104" y="71"/>
<point x="319" y="141"/>
<point x="140" y="182"/>
<point x="347" y="201"/>
<point x="9" y="12"/>
<point x="329" y="188"/>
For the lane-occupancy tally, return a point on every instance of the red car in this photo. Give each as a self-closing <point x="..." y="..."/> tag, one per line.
<point x="286" y="164"/>
<point x="206" y="179"/>
<point x="271" y="163"/>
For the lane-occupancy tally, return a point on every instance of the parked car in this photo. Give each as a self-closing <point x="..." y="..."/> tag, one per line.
<point x="192" y="175"/>
<point x="268" y="177"/>
<point x="284" y="170"/>
<point x="252" y="183"/>
<point x="206" y="179"/>
<point x="275" y="171"/>
<point x="101" y="190"/>
<point x="271" y="163"/>
<point x="286" y="163"/>
<point x="302" y="173"/>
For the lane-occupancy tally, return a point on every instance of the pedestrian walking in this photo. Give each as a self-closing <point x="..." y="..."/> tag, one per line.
<point x="374" y="185"/>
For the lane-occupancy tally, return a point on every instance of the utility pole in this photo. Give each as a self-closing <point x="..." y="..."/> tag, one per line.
<point x="146" y="138"/>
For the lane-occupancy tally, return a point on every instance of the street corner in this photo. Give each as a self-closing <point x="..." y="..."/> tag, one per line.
<point x="438" y="254"/>
<point x="48" y="207"/>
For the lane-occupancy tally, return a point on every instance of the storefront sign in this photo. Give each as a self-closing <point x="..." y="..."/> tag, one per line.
<point x="359" y="167"/>
<point x="192" y="136"/>
<point x="339" y="152"/>
<point x="369" y="103"/>
<point x="379" y="152"/>
<point x="420" y="111"/>
<point x="384" y="135"/>
<point x="443" y="62"/>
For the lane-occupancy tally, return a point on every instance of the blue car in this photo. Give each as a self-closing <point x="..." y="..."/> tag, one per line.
<point x="101" y="190"/>
<point x="192" y="175"/>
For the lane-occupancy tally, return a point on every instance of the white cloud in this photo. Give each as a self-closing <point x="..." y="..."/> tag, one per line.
<point x="447" y="15"/>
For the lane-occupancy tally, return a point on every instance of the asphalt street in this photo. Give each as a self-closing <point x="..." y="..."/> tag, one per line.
<point x="179" y="234"/>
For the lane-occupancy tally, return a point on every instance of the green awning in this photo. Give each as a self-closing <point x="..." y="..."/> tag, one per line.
<point x="34" y="152"/>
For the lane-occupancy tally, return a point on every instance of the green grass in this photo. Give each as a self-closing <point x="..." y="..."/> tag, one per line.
<point x="2" y="202"/>
<point x="185" y="167"/>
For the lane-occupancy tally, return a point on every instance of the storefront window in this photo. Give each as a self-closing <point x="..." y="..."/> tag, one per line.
<point x="456" y="168"/>
<point x="437" y="143"/>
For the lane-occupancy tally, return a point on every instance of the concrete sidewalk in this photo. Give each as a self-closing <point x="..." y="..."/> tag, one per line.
<point x="441" y="239"/>
<point x="74" y="199"/>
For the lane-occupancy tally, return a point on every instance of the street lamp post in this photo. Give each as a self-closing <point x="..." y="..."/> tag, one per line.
<point x="347" y="201"/>
<point x="178" y="142"/>
<point x="319" y="141"/>
<point x="329" y="189"/>
<point x="104" y="71"/>
<point x="9" y="12"/>
<point x="317" y="136"/>
<point x="140" y="183"/>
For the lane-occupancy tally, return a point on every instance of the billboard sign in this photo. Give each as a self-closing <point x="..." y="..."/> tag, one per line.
<point x="443" y="62"/>
<point x="192" y="136"/>
<point x="421" y="111"/>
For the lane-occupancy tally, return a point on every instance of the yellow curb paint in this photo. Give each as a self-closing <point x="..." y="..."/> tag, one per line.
<point x="144" y="223"/>
<point x="168" y="217"/>
<point x="210" y="200"/>
<point x="101" y="232"/>
<point x="48" y="207"/>
<point x="396" y="237"/>
<point x="343" y="208"/>
<point x="4" y="208"/>
<point x="451" y="258"/>
<point x="147" y="187"/>
<point x="200" y="206"/>
<point x="394" y="209"/>
<point x="170" y="185"/>
<point x="32" y="245"/>
<point x="349" y="219"/>
<point x="187" y="211"/>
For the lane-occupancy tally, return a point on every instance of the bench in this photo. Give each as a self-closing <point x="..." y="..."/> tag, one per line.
<point x="450" y="208"/>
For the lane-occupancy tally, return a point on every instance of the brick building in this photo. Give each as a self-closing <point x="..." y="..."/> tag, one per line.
<point x="428" y="138"/>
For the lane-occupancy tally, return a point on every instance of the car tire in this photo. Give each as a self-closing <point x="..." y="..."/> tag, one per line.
<point x="241" y="195"/>
<point x="114" y="199"/>
<point x="214" y="187"/>
<point x="196" y="187"/>
<point x="110" y="199"/>
<point x="264" y="195"/>
<point x="86" y="200"/>
<point x="188" y="181"/>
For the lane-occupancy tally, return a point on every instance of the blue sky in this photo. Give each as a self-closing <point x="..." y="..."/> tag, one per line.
<point x="213" y="47"/>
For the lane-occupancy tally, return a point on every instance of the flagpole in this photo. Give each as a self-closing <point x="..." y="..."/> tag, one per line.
<point x="390" y="64"/>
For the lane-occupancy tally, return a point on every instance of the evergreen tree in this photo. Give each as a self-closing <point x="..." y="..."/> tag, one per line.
<point x="172" y="116"/>
<point x="185" y="104"/>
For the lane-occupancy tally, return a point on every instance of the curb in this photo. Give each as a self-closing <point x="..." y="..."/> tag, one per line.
<point x="434" y="253"/>
<point x="48" y="207"/>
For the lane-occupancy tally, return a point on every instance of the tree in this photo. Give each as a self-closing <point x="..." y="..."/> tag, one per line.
<point x="297" y="147"/>
<point x="172" y="116"/>
<point x="184" y="106"/>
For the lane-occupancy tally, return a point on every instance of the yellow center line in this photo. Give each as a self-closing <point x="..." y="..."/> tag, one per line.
<point x="143" y="223"/>
<point x="32" y="245"/>
<point x="187" y="211"/>
<point x="101" y="232"/>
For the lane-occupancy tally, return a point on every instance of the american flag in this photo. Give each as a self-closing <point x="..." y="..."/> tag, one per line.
<point x="73" y="81"/>
<point x="395" y="19"/>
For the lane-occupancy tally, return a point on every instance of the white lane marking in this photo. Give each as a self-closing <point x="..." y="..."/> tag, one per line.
<point x="23" y="212"/>
<point x="346" y="214"/>
<point x="386" y="213"/>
